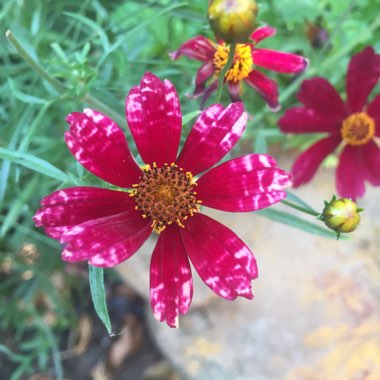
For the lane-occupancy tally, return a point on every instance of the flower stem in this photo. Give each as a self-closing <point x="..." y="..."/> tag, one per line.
<point x="58" y="85"/>
<point x="226" y="67"/>
<point x="33" y="63"/>
<point x="300" y="208"/>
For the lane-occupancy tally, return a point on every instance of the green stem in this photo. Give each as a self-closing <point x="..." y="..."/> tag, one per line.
<point x="33" y="63"/>
<point x="59" y="86"/>
<point x="299" y="208"/>
<point x="223" y="72"/>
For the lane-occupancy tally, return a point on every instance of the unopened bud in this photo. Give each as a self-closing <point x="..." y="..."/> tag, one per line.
<point x="341" y="215"/>
<point x="232" y="20"/>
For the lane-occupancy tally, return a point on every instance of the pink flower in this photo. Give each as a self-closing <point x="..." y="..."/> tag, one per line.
<point x="353" y="125"/>
<point x="106" y="227"/>
<point x="247" y="58"/>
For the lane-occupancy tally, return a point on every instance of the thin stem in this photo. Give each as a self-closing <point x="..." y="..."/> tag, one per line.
<point x="59" y="86"/>
<point x="227" y="66"/>
<point x="299" y="208"/>
<point x="33" y="63"/>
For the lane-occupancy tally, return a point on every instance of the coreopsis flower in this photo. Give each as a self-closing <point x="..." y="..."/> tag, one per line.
<point x="352" y="125"/>
<point x="244" y="68"/>
<point x="164" y="196"/>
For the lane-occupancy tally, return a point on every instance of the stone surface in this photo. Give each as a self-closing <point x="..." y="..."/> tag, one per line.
<point x="315" y="315"/>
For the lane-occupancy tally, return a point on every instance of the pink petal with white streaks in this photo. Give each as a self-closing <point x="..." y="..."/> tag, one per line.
<point x="287" y="63"/>
<point x="101" y="147"/>
<point x="246" y="183"/>
<point x="155" y="120"/>
<point x="76" y="205"/>
<point x="106" y="242"/>
<point x="222" y="260"/>
<point x="213" y="135"/>
<point x="199" y="48"/>
<point x="171" y="285"/>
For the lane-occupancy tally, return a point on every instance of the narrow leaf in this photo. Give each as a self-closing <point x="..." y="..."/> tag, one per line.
<point x="295" y="221"/>
<point x="292" y="197"/>
<point x="98" y="294"/>
<point x="34" y="163"/>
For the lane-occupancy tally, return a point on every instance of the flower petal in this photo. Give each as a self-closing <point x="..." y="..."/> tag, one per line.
<point x="318" y="94"/>
<point x="362" y="75"/>
<point x="171" y="284"/>
<point x="222" y="260"/>
<point x="106" y="242"/>
<point x="75" y="205"/>
<point x="155" y="120"/>
<point x="101" y="147"/>
<point x="203" y="73"/>
<point x="266" y="87"/>
<point x="199" y="48"/>
<point x="235" y="90"/>
<point x="246" y="183"/>
<point x="308" y="162"/>
<point x="261" y="33"/>
<point x="213" y="135"/>
<point x="373" y="110"/>
<point x="371" y="162"/>
<point x="351" y="173"/>
<point x="278" y="61"/>
<point x="306" y="120"/>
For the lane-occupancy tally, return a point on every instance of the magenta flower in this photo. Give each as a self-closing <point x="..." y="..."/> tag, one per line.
<point x="247" y="58"/>
<point x="353" y="125"/>
<point x="106" y="227"/>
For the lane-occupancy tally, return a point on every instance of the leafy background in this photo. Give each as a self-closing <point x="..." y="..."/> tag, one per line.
<point x="97" y="50"/>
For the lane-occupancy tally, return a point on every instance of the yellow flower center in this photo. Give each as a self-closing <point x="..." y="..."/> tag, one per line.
<point x="242" y="65"/>
<point x="358" y="129"/>
<point x="166" y="195"/>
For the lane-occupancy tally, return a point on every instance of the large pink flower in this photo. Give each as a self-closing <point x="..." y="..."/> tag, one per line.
<point x="107" y="226"/>
<point x="247" y="58"/>
<point x="354" y="125"/>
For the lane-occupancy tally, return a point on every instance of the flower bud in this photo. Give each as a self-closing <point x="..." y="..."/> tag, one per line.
<point x="232" y="20"/>
<point x="341" y="215"/>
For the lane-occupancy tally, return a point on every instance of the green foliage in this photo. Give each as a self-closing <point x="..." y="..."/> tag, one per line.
<point x="93" y="53"/>
<point x="98" y="294"/>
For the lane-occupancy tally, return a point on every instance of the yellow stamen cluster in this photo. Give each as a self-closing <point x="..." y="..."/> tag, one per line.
<point x="166" y="195"/>
<point x="358" y="129"/>
<point x="242" y="65"/>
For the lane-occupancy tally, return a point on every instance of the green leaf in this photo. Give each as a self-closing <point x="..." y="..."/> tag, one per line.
<point x="98" y="294"/>
<point x="190" y="116"/>
<point x="292" y="197"/>
<point x="34" y="163"/>
<point x="295" y="221"/>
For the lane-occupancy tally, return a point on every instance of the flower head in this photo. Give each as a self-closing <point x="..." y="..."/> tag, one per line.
<point x="247" y="59"/>
<point x="353" y="125"/>
<point x="341" y="215"/>
<point x="232" y="20"/>
<point x="106" y="226"/>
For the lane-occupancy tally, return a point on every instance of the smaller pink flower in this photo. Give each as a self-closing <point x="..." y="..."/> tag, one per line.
<point x="106" y="227"/>
<point x="247" y="58"/>
<point x="353" y="125"/>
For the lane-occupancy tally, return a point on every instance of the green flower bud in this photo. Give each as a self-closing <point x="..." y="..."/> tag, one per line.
<point x="341" y="215"/>
<point x="232" y="20"/>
